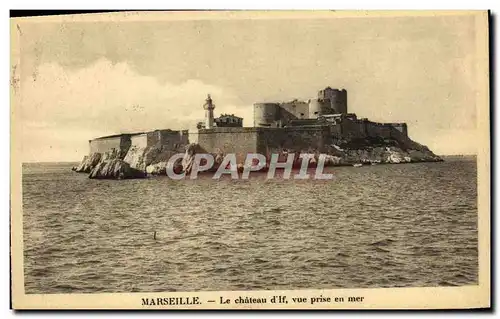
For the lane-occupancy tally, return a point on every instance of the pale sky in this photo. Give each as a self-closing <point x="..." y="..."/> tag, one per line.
<point x="81" y="80"/>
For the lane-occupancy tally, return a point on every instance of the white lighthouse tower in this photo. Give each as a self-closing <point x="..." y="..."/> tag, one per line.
<point x="209" y="112"/>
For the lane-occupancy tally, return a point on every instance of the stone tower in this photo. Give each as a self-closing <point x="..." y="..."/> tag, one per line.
<point x="335" y="99"/>
<point x="209" y="112"/>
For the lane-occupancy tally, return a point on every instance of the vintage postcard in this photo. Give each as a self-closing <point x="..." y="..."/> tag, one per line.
<point x="250" y="160"/>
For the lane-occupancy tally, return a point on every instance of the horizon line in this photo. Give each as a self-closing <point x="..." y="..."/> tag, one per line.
<point x="76" y="161"/>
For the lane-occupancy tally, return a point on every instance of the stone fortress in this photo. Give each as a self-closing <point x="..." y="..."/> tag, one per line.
<point x="321" y="125"/>
<point x="123" y="142"/>
<point x="329" y="108"/>
<point x="296" y="126"/>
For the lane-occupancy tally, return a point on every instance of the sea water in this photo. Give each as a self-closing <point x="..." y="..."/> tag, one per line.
<point x="407" y="225"/>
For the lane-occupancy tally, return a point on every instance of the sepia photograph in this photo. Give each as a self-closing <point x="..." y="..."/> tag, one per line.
<point x="250" y="160"/>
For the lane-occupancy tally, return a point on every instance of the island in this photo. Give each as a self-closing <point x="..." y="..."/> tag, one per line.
<point x="321" y="125"/>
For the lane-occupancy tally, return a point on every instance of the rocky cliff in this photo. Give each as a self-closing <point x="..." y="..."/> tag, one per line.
<point x="115" y="169"/>
<point x="379" y="150"/>
<point x="137" y="162"/>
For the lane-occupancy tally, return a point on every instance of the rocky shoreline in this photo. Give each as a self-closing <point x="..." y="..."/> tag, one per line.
<point x="150" y="161"/>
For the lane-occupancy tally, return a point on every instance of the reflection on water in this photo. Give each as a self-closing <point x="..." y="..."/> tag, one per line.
<point x="376" y="226"/>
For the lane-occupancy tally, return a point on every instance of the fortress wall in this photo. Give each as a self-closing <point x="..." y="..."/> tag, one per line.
<point x="297" y="110"/>
<point x="263" y="140"/>
<point x="294" y="139"/>
<point x="285" y="117"/>
<point x="237" y="140"/>
<point x="265" y="114"/>
<point x="336" y="131"/>
<point x="406" y="142"/>
<point x="402" y="127"/>
<point x="184" y="137"/>
<point x="168" y="138"/>
<point x="378" y="129"/>
<point x="139" y="141"/>
<point x="175" y="140"/>
<point x="153" y="138"/>
<point x="353" y="128"/>
<point x="106" y="144"/>
<point x="403" y="139"/>
<point x="319" y="107"/>
<point x="362" y="128"/>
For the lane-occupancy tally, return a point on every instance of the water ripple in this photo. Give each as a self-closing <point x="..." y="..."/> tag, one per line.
<point x="381" y="226"/>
